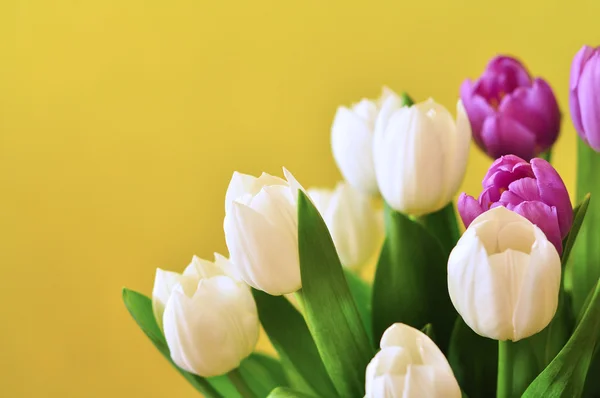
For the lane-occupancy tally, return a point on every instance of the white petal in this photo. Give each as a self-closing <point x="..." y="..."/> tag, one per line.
<point x="420" y="382"/>
<point x="460" y="154"/>
<point x="366" y="110"/>
<point x="294" y="185"/>
<point x="351" y="143"/>
<point x="202" y="269"/>
<point x="321" y="198"/>
<point x="239" y="185"/>
<point x="390" y="104"/>
<point x="164" y="282"/>
<point x="538" y="293"/>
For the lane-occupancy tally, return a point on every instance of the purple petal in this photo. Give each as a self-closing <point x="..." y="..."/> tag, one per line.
<point x="477" y="109"/>
<point x="535" y="108"/>
<point x="503" y="136"/>
<point x="502" y="76"/>
<point x="545" y="217"/>
<point x="488" y="197"/>
<point x="468" y="208"/>
<point x="589" y="101"/>
<point x="579" y="61"/>
<point x="505" y="170"/>
<point x="525" y="188"/>
<point x="554" y="193"/>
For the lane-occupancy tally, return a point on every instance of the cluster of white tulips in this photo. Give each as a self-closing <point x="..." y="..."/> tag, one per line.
<point x="503" y="276"/>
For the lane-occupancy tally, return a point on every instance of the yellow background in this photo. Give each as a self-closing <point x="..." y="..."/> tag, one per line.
<point x="121" y="122"/>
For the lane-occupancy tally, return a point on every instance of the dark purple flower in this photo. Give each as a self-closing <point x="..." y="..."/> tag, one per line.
<point x="534" y="190"/>
<point x="584" y="97"/>
<point x="510" y="112"/>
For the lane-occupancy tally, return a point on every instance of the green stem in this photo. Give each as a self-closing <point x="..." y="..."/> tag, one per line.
<point x="443" y="225"/>
<point x="547" y="156"/>
<point x="505" y="369"/>
<point x="240" y="384"/>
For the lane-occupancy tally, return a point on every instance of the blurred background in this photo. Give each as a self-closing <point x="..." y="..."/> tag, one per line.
<point x="121" y="123"/>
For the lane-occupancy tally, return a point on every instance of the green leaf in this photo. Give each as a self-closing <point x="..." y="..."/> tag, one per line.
<point x="283" y="392"/>
<point x="411" y="280"/>
<point x="330" y="311"/>
<point x="566" y="374"/>
<point x="443" y="225"/>
<point x="256" y="366"/>
<point x="361" y="293"/>
<point x="579" y="213"/>
<point x="290" y="336"/>
<point x="474" y="361"/>
<point x="585" y="270"/>
<point x="428" y="330"/>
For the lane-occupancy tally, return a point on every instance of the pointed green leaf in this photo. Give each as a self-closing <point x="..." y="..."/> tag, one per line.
<point x="411" y="280"/>
<point x="290" y="336"/>
<point x="428" y="330"/>
<point x="257" y="365"/>
<point x="474" y="361"/>
<point x="283" y="392"/>
<point x="331" y="314"/>
<point x="361" y="292"/>
<point x="585" y="269"/>
<point x="566" y="374"/>
<point x="579" y="213"/>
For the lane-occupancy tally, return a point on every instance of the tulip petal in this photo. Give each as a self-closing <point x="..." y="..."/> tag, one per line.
<point x="468" y="208"/>
<point x="503" y="135"/>
<point x="477" y="109"/>
<point x="525" y="189"/>
<point x="538" y="297"/>
<point x="242" y="184"/>
<point x="420" y="381"/>
<point x="545" y="217"/>
<point x="164" y="282"/>
<point x="589" y="101"/>
<point x="457" y="151"/>
<point x="579" y="61"/>
<point x="293" y="184"/>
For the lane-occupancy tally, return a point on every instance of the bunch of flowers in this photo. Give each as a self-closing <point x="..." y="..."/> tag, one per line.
<point x="497" y="311"/>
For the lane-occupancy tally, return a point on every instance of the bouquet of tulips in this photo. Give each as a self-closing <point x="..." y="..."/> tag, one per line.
<point x="509" y="308"/>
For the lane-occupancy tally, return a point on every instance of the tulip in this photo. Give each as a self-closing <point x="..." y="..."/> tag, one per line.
<point x="211" y="325"/>
<point x="504" y="276"/>
<point x="352" y="141"/>
<point x="510" y="112"/>
<point x="261" y="231"/>
<point x="165" y="281"/>
<point x="421" y="157"/>
<point x="409" y="365"/>
<point x="533" y="190"/>
<point x="351" y="220"/>
<point x="583" y="96"/>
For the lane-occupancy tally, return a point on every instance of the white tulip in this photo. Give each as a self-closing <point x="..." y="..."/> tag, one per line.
<point x="409" y="365"/>
<point x="504" y="276"/>
<point x="211" y="325"/>
<point x="352" y="141"/>
<point x="352" y="222"/>
<point x="420" y="156"/>
<point x="261" y="231"/>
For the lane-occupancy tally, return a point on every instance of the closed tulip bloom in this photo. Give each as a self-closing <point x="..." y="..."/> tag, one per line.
<point x="504" y="276"/>
<point x="261" y="231"/>
<point x="352" y="141"/>
<point x="583" y="96"/>
<point x="211" y="325"/>
<point x="510" y="112"/>
<point x="533" y="190"/>
<point x="409" y="365"/>
<point x="421" y="157"/>
<point x="352" y="221"/>
<point x="165" y="281"/>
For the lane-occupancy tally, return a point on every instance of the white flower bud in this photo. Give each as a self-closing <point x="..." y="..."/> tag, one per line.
<point x="261" y="231"/>
<point x="351" y="220"/>
<point x="504" y="276"/>
<point x="409" y="365"/>
<point x="420" y="156"/>
<point x="352" y="141"/>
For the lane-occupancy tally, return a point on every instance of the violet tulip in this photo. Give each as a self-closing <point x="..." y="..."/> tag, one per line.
<point x="583" y="96"/>
<point x="511" y="113"/>
<point x="533" y="190"/>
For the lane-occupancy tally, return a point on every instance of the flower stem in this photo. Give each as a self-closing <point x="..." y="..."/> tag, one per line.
<point x="505" y="369"/>
<point x="547" y="156"/>
<point x="240" y="384"/>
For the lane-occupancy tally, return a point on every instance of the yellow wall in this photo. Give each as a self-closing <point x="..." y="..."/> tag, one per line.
<point x="121" y="122"/>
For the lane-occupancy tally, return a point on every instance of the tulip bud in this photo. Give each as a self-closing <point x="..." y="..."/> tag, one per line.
<point x="352" y="141"/>
<point x="509" y="111"/>
<point x="421" y="157"/>
<point x="261" y="231"/>
<point x="583" y="97"/>
<point x="409" y="365"/>
<point x="533" y="190"/>
<point x="211" y="325"/>
<point x="504" y="276"/>
<point x="352" y="222"/>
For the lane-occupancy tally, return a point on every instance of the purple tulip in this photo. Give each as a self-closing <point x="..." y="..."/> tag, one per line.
<point x="584" y="97"/>
<point x="510" y="112"/>
<point x="533" y="190"/>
